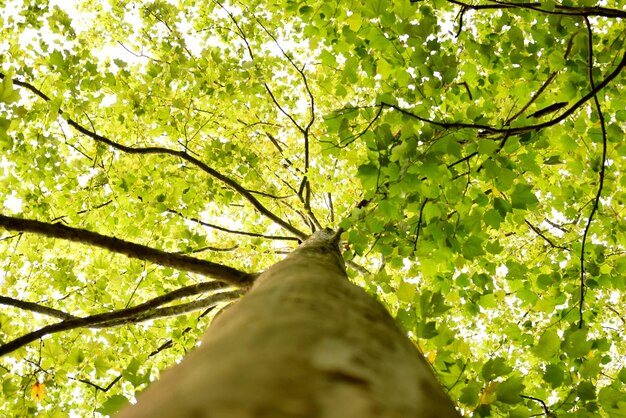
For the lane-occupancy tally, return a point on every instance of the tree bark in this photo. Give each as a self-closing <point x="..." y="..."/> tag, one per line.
<point x="303" y="343"/>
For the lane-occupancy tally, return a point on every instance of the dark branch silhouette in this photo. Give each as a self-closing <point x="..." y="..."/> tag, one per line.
<point x="164" y="346"/>
<point x="596" y="201"/>
<point x="558" y="9"/>
<point x="162" y="150"/>
<point x="34" y="307"/>
<point x="234" y="231"/>
<point x="486" y="129"/>
<point x="548" y="240"/>
<point x="304" y="191"/>
<point x="543" y="404"/>
<point x="305" y="186"/>
<point x="206" y="268"/>
<point x="143" y="312"/>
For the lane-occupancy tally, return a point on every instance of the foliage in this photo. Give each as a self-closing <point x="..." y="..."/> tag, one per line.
<point x="471" y="152"/>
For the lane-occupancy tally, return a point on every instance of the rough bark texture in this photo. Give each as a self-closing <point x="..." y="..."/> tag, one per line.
<point x="303" y="343"/>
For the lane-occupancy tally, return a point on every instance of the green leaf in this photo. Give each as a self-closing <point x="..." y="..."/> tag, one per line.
<point x="493" y="218"/>
<point x="9" y="387"/>
<point x="586" y="391"/>
<point x="510" y="390"/>
<point x="305" y="10"/>
<point x="523" y="197"/>
<point x="101" y="365"/>
<point x="548" y="345"/>
<point x="384" y="68"/>
<point x="488" y="301"/>
<point x="76" y="357"/>
<point x="554" y="375"/>
<point x="404" y="9"/>
<point x="112" y="405"/>
<point x="591" y="368"/>
<point x="470" y="394"/>
<point x="406" y="292"/>
<point x="613" y="401"/>
<point x="520" y="412"/>
<point x="494" y="368"/>
<point x="576" y="343"/>
<point x="427" y="330"/>
<point x="473" y="247"/>
<point x="375" y="8"/>
<point x="368" y="174"/>
<point x="487" y="146"/>
<point x="7" y="93"/>
<point x="502" y="206"/>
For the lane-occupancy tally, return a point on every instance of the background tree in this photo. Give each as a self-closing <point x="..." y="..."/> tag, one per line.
<point x="472" y="152"/>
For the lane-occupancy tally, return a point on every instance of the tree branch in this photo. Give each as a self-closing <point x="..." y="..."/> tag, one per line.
<point x="139" y="313"/>
<point x="162" y="150"/>
<point x="596" y="201"/>
<point x="233" y="231"/>
<point x="182" y="262"/>
<point x="176" y="310"/>
<point x="558" y="9"/>
<point x="543" y="404"/>
<point x="304" y="192"/>
<point x="548" y="240"/>
<point x="534" y="97"/>
<point x="305" y="185"/>
<point x="98" y="387"/>
<point x="486" y="129"/>
<point x="34" y="307"/>
<point x="419" y="224"/>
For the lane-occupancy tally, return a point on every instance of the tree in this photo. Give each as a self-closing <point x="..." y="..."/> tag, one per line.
<point x="304" y="342"/>
<point x="156" y="157"/>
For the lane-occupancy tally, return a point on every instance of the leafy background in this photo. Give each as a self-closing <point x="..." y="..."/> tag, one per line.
<point x="472" y="152"/>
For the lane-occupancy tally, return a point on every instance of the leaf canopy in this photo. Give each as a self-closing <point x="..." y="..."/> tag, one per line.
<point x="472" y="152"/>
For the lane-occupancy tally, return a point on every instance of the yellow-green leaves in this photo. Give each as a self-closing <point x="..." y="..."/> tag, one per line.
<point x="7" y="92"/>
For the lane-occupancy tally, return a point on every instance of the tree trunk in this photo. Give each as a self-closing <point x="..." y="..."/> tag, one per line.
<point x="303" y="343"/>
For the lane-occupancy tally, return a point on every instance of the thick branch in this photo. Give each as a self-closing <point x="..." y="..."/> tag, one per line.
<point x="175" y="310"/>
<point x="558" y="9"/>
<point x="34" y="307"/>
<point x="182" y="262"/>
<point x="139" y="313"/>
<point x="486" y="129"/>
<point x="181" y="154"/>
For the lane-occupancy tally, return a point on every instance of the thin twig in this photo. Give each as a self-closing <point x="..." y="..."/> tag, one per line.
<point x="419" y="223"/>
<point x="543" y="404"/>
<point x="548" y="240"/>
<point x="234" y="231"/>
